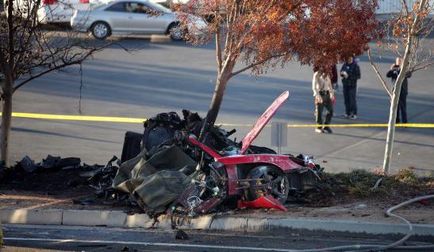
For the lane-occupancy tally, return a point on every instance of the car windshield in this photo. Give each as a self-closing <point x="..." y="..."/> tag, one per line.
<point x="159" y="7"/>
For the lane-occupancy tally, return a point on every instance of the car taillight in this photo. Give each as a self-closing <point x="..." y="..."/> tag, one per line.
<point x="84" y="1"/>
<point x="49" y="2"/>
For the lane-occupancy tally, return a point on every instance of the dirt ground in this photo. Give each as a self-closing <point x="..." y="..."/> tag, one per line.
<point x="66" y="189"/>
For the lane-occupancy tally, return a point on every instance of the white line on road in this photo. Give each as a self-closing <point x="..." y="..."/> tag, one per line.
<point x="158" y="244"/>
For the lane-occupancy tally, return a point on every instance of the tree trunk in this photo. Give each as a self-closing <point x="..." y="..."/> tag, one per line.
<point x="409" y="52"/>
<point x="217" y="99"/>
<point x="394" y="107"/>
<point x="6" y="120"/>
<point x="214" y="108"/>
<point x="391" y="130"/>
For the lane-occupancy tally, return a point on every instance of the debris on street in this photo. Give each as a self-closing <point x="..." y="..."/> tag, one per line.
<point x="173" y="172"/>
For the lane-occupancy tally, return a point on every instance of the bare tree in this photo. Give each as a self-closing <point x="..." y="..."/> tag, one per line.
<point x="406" y="36"/>
<point x="28" y="52"/>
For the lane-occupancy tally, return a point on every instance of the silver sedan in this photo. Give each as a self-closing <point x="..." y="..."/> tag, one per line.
<point x="129" y="17"/>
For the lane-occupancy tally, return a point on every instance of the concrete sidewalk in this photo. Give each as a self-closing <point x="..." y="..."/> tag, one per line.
<point x="249" y="223"/>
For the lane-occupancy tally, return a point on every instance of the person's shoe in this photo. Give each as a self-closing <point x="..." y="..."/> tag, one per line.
<point x="319" y="130"/>
<point x="353" y="117"/>
<point x="328" y="130"/>
<point x="346" y="116"/>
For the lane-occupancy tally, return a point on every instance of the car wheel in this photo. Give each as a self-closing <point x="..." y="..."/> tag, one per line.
<point x="176" y="32"/>
<point x="100" y="30"/>
<point x="268" y="180"/>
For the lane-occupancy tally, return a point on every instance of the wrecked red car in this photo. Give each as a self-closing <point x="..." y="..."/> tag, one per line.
<point x="170" y="170"/>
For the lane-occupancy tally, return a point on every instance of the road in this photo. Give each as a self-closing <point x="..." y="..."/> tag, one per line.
<point x="116" y="239"/>
<point x="166" y="76"/>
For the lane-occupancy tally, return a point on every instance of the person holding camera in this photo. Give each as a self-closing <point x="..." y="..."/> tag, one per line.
<point x="393" y="73"/>
<point x="350" y="73"/>
<point x="324" y="98"/>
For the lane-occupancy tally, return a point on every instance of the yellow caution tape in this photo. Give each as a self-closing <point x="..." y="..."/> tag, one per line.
<point x="78" y="118"/>
<point x="141" y="120"/>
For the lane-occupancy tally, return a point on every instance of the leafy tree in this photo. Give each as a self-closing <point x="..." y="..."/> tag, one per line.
<point x="258" y="35"/>
<point x="406" y="37"/>
<point x="28" y="52"/>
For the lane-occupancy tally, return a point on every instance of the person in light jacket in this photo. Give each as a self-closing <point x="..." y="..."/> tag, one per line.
<point x="324" y="95"/>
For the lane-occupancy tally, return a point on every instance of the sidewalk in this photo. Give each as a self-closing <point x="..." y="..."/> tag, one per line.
<point x="362" y="217"/>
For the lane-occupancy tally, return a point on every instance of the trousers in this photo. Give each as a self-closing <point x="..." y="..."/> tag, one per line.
<point x="350" y="92"/>
<point x="319" y="107"/>
<point x="402" y="109"/>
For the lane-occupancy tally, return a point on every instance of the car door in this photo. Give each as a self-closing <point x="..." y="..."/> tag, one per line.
<point x="117" y="16"/>
<point x="146" y="19"/>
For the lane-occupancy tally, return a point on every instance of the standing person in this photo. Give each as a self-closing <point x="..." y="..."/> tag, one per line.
<point x="350" y="73"/>
<point x="324" y="98"/>
<point x="393" y="73"/>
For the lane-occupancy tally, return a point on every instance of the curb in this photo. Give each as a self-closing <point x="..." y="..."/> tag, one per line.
<point x="206" y="222"/>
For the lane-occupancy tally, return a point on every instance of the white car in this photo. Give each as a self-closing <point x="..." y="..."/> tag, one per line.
<point x="131" y="17"/>
<point x="56" y="11"/>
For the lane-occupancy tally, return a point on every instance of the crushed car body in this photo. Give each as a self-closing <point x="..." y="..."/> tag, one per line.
<point x="168" y="170"/>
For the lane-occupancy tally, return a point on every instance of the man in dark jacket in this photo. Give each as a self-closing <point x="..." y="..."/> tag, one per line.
<point x="393" y="73"/>
<point x="350" y="73"/>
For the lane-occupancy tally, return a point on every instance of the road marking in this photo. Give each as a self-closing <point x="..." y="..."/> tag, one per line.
<point x="157" y="244"/>
<point x="114" y="119"/>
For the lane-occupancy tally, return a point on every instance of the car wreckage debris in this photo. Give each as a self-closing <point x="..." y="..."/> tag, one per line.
<point x="173" y="172"/>
<point x="167" y="170"/>
<point x="50" y="162"/>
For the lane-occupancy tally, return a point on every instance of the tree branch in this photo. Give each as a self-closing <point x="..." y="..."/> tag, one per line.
<point x="64" y="64"/>
<point x="383" y="82"/>
<point x="257" y="63"/>
<point x="10" y="7"/>
<point x="422" y="66"/>
<point x="218" y="49"/>
<point x="405" y="7"/>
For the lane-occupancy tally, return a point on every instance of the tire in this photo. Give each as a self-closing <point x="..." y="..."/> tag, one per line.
<point x="100" y="30"/>
<point x="176" y="33"/>
<point x="268" y="180"/>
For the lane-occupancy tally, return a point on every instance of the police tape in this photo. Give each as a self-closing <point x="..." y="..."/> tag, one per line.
<point x="113" y="119"/>
<point x="78" y="118"/>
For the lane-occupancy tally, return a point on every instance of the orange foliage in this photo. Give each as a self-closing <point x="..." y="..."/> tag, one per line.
<point x="266" y="33"/>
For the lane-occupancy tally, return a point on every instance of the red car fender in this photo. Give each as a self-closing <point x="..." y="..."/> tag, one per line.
<point x="263" y="202"/>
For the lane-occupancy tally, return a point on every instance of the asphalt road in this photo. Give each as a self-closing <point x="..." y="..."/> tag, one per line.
<point x="166" y="76"/>
<point x="116" y="239"/>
